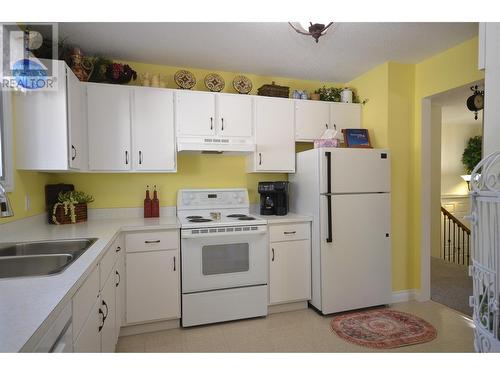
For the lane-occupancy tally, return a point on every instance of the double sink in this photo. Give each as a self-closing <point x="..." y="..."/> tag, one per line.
<point x="40" y="258"/>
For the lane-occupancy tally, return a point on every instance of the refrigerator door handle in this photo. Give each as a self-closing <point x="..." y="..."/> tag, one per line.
<point x="328" y="193"/>
<point x="329" y="213"/>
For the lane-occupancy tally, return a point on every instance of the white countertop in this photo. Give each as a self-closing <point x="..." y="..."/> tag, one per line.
<point x="29" y="305"/>
<point x="288" y="218"/>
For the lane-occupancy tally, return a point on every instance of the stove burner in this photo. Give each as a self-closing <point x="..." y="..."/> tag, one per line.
<point x="199" y="220"/>
<point x="237" y="215"/>
<point x="194" y="217"/>
<point x="246" y="218"/>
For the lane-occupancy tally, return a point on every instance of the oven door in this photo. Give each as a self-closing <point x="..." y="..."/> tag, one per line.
<point x="223" y="260"/>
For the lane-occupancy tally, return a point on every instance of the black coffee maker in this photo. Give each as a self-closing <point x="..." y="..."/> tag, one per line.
<point x="273" y="198"/>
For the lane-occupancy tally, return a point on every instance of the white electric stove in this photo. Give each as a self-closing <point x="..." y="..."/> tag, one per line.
<point x="224" y="256"/>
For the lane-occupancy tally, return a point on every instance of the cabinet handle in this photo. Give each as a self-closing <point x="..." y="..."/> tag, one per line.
<point x="273" y="255"/>
<point x="103" y="319"/>
<point x="211" y="123"/>
<point x="140" y="157"/>
<point x="73" y="156"/>
<point x="293" y="232"/>
<point x="222" y="124"/>
<point x="175" y="264"/>
<point x="119" y="278"/>
<point x="155" y="241"/>
<point x="334" y="127"/>
<point x="126" y="157"/>
<point x="326" y="125"/>
<point x="118" y="249"/>
<point x="107" y="310"/>
<point x="260" y="158"/>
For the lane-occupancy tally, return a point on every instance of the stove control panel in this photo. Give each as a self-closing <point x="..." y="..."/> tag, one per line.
<point x="212" y="198"/>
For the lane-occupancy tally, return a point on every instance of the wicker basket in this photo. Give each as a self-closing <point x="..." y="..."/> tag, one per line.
<point x="274" y="90"/>
<point x="80" y="213"/>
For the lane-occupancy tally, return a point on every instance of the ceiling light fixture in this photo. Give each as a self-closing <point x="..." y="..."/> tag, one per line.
<point x="313" y="29"/>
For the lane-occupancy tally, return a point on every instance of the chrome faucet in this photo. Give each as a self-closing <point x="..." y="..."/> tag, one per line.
<point x="5" y="206"/>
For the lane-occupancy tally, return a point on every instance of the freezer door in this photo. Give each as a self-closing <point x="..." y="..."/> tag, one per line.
<point x="355" y="170"/>
<point x="356" y="264"/>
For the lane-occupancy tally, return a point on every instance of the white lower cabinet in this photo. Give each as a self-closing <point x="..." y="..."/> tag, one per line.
<point x="153" y="277"/>
<point x="153" y="286"/>
<point x="120" y="293"/>
<point x="289" y="263"/>
<point x="89" y="338"/>
<point x="108" y="311"/>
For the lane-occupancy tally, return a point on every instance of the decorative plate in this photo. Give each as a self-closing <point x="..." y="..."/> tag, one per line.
<point x="184" y="79"/>
<point x="242" y="84"/>
<point x="214" y="82"/>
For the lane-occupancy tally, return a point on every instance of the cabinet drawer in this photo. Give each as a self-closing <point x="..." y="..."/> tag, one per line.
<point x="107" y="263"/>
<point x="289" y="232"/>
<point x="84" y="299"/>
<point x="148" y="241"/>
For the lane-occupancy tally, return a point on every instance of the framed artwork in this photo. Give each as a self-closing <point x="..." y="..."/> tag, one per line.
<point x="357" y="138"/>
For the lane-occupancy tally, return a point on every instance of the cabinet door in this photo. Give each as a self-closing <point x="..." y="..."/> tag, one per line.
<point x="235" y="115"/>
<point x="345" y="115"/>
<point x="89" y="339"/>
<point x="120" y="294"/>
<point x="76" y="121"/>
<point x="108" y="306"/>
<point x="153" y="291"/>
<point x="195" y="113"/>
<point x="312" y="118"/>
<point x="108" y="117"/>
<point x="275" y="141"/>
<point x="290" y="271"/>
<point x="153" y="133"/>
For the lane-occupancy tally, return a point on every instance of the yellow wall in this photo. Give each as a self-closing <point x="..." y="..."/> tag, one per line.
<point x="388" y="115"/>
<point x="393" y="115"/>
<point x="26" y="183"/>
<point x="447" y="70"/>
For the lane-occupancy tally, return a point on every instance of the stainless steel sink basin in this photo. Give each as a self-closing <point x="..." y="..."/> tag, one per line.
<point x="40" y="258"/>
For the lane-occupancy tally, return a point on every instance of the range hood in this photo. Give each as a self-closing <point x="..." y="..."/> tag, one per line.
<point x="215" y="145"/>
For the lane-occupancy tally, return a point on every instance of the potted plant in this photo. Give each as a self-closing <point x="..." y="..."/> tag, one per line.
<point x="472" y="153"/>
<point x="71" y="207"/>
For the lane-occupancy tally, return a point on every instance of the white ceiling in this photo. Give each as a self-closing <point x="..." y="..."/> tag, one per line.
<point x="268" y="48"/>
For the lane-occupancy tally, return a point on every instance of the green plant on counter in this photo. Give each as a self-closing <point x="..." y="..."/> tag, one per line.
<point x="472" y="153"/>
<point x="68" y="200"/>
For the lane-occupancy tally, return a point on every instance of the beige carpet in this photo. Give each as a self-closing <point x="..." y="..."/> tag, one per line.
<point x="451" y="285"/>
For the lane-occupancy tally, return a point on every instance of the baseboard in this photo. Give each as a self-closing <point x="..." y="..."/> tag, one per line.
<point x="273" y="309"/>
<point x="404" y="295"/>
<point x="149" y="327"/>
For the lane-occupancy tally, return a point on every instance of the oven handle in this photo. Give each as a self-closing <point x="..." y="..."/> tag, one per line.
<point x="223" y="234"/>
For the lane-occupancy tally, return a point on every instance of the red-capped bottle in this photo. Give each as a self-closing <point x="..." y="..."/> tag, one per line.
<point x="155" y="204"/>
<point x="147" y="204"/>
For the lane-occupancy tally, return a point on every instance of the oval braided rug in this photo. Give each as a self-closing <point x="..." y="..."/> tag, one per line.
<point x="383" y="328"/>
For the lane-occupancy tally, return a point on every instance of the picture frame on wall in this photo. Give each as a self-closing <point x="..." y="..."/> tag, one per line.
<point x="357" y="138"/>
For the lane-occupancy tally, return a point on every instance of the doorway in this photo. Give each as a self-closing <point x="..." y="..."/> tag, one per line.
<point x="451" y="128"/>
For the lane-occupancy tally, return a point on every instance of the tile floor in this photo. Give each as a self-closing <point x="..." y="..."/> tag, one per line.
<point x="298" y="331"/>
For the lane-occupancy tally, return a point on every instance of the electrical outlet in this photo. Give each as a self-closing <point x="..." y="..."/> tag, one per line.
<point x="27" y="202"/>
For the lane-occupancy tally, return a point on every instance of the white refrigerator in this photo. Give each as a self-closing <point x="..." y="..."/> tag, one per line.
<point x="347" y="191"/>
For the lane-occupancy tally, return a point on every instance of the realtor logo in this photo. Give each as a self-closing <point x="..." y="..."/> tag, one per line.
<point x="27" y="57"/>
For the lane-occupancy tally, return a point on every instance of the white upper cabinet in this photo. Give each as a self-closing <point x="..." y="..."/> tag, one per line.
<point x="108" y="118"/>
<point x="153" y="134"/>
<point x="235" y="115"/>
<point x="195" y="113"/>
<point x="274" y="136"/>
<point x="130" y="128"/>
<point x="345" y="115"/>
<point x="312" y="118"/>
<point x="50" y="126"/>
